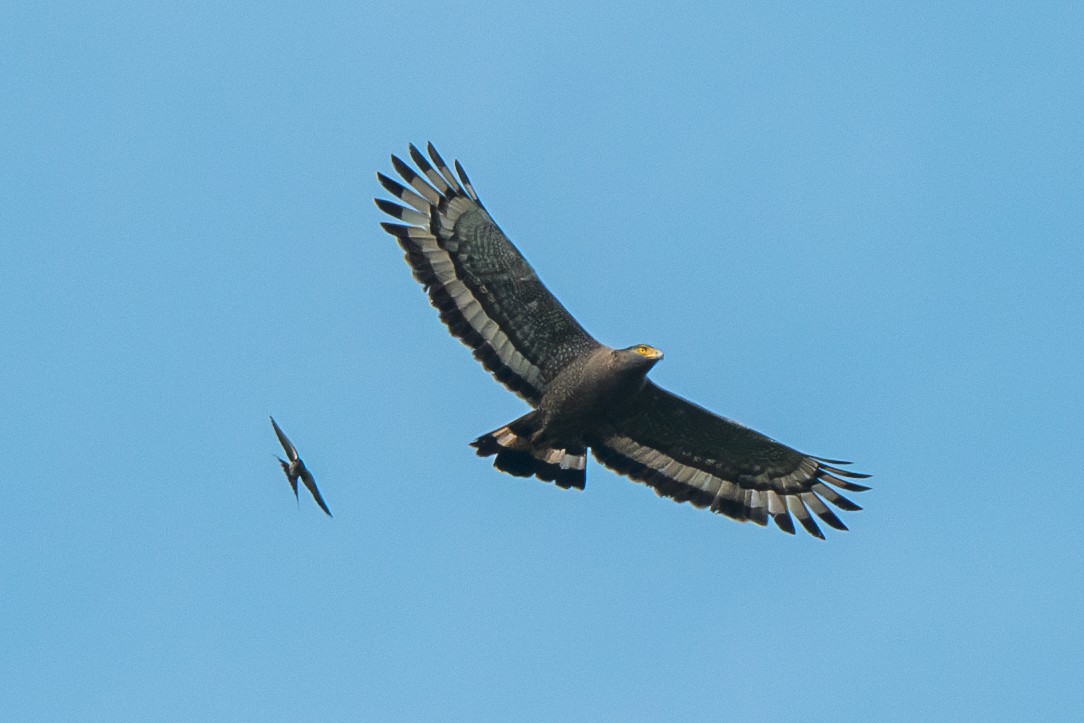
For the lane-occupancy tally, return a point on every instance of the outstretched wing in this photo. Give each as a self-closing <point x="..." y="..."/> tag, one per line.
<point x="486" y="292"/>
<point x="310" y="485"/>
<point x="284" y="441"/>
<point x="291" y="478"/>
<point x="691" y="455"/>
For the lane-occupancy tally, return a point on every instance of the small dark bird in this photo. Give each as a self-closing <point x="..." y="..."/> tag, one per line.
<point x="296" y="468"/>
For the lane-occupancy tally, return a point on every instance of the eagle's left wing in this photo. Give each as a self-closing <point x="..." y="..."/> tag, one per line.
<point x="685" y="452"/>
<point x="487" y="293"/>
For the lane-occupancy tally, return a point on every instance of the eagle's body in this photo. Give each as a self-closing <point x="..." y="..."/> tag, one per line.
<point x="580" y="405"/>
<point x="586" y="395"/>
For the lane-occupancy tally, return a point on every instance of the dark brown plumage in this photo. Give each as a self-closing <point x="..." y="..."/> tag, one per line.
<point x="586" y="395"/>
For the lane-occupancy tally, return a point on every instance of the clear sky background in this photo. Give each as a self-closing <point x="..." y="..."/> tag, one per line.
<point x="857" y="229"/>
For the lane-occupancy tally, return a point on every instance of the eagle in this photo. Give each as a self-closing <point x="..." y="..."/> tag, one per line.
<point x="583" y="394"/>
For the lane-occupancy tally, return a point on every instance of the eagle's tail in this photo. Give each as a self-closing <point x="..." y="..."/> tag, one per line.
<point x="566" y="467"/>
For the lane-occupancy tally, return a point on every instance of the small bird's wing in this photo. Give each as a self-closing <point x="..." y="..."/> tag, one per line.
<point x="310" y="483"/>
<point x="291" y="452"/>
<point x="292" y="478"/>
<point x="487" y="293"/>
<point x="687" y="453"/>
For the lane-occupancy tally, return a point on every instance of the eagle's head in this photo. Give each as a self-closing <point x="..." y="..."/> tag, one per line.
<point x="638" y="357"/>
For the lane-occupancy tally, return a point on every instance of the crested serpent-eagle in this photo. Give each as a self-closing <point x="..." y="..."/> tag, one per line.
<point x="586" y="395"/>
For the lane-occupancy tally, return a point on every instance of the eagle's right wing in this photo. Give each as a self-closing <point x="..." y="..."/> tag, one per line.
<point x="687" y="453"/>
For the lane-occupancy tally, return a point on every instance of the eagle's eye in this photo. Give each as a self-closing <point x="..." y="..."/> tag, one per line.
<point x="643" y="350"/>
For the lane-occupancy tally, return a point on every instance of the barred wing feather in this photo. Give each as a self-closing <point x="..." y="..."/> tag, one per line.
<point x="689" y="454"/>
<point x="487" y="294"/>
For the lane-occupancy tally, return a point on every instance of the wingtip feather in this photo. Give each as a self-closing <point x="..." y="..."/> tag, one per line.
<point x="392" y="209"/>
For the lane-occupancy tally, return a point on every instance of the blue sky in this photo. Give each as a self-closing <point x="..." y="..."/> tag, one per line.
<point x="857" y="229"/>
